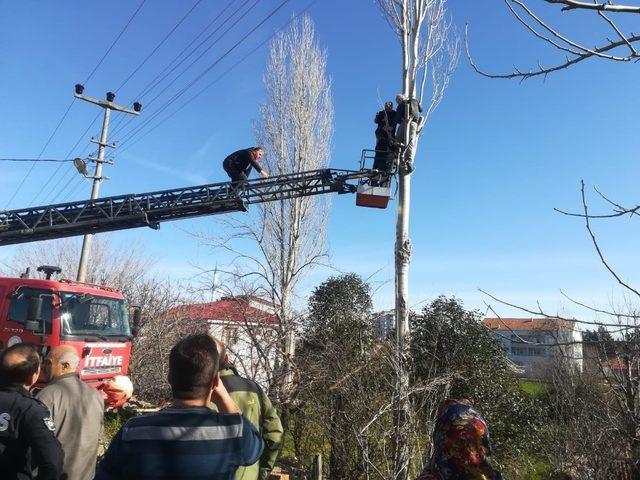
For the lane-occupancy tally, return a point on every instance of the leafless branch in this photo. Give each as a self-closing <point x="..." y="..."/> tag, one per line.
<point x="597" y="246"/>
<point x="576" y="52"/>
<point x="604" y="6"/>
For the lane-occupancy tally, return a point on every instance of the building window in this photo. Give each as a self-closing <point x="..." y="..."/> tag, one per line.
<point x="230" y="336"/>
<point x="528" y="351"/>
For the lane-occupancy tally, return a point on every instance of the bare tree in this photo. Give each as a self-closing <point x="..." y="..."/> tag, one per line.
<point x="619" y="47"/>
<point x="118" y="266"/>
<point x="287" y="237"/>
<point x="125" y="268"/>
<point x="594" y="396"/>
<point x="162" y="326"/>
<point x="429" y="48"/>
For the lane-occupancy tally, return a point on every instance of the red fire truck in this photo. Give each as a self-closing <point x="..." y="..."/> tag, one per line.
<point x="94" y="319"/>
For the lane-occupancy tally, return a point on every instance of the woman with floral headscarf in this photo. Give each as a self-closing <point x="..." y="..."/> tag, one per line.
<point x="461" y="449"/>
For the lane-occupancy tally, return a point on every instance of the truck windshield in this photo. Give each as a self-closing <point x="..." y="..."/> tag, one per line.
<point x="89" y="315"/>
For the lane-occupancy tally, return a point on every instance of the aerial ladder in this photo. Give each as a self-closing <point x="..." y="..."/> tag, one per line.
<point x="151" y="209"/>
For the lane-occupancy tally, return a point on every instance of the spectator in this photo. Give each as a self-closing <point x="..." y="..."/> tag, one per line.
<point x="186" y="440"/>
<point x="257" y="408"/>
<point x="461" y="448"/>
<point x="77" y="411"/>
<point x="27" y="439"/>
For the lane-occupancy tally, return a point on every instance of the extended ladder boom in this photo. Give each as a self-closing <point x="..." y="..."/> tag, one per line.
<point x="149" y="209"/>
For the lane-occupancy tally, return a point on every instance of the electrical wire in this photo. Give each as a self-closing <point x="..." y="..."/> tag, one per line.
<point x="213" y="44"/>
<point x="166" y="37"/>
<point x="24" y="179"/>
<point x="113" y="44"/>
<point x="217" y="79"/>
<point x="118" y="129"/>
<point x="151" y="85"/>
<point x="95" y="69"/>
<point x="70" y="185"/>
<point x="64" y="116"/>
<point x="53" y="160"/>
<point x="181" y="92"/>
<point x="161" y="75"/>
<point x="55" y="173"/>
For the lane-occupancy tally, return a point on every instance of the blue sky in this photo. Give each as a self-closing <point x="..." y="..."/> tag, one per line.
<point x="496" y="158"/>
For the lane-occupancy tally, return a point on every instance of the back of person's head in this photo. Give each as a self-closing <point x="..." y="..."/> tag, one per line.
<point x="193" y="365"/>
<point x="20" y="364"/>
<point x="564" y="476"/>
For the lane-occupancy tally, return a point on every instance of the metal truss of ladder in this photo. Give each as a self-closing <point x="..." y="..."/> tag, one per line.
<point x="150" y="209"/>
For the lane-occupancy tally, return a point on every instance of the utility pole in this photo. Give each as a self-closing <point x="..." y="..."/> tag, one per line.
<point x="108" y="105"/>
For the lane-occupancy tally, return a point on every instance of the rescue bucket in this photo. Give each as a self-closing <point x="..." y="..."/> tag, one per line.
<point x="372" y="197"/>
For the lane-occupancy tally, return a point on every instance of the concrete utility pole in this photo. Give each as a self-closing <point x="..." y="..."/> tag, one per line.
<point x="108" y="105"/>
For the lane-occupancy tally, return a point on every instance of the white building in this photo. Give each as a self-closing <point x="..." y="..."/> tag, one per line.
<point x="533" y="343"/>
<point x="248" y="327"/>
<point x="385" y="323"/>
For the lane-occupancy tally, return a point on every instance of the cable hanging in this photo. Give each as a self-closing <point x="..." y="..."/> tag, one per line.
<point x="128" y="136"/>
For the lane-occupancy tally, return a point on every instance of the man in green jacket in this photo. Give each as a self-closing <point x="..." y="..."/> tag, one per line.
<point x="257" y="408"/>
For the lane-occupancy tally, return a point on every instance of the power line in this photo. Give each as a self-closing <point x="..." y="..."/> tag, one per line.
<point x="118" y="128"/>
<point x="37" y="160"/>
<point x="166" y="37"/>
<point x="133" y="132"/>
<point x="161" y="75"/>
<point x="71" y="150"/>
<point x="152" y="84"/>
<point x="217" y="79"/>
<point x="64" y="116"/>
<point x="55" y="130"/>
<point x="72" y="174"/>
<point x="210" y="46"/>
<point x="115" y="41"/>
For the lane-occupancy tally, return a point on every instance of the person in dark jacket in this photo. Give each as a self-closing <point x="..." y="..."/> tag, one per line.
<point x="410" y="109"/>
<point x="386" y="143"/>
<point x="386" y="123"/>
<point x="186" y="440"/>
<point x="257" y="408"/>
<point x="238" y="165"/>
<point x="27" y="433"/>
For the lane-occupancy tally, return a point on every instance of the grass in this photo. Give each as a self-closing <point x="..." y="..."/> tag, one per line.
<point x="533" y="388"/>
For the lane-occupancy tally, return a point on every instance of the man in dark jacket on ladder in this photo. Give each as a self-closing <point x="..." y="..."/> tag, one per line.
<point x="238" y="165"/>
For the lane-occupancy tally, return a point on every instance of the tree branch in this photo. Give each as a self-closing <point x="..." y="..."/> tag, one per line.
<point x="597" y="247"/>
<point x="583" y="52"/>
<point x="605" y="6"/>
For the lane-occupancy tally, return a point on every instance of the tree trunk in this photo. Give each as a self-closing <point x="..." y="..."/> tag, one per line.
<point x="402" y="258"/>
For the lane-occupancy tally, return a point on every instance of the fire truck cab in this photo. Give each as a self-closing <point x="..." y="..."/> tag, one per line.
<point x="94" y="319"/>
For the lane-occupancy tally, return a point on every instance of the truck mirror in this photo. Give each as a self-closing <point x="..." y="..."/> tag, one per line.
<point x="135" y="320"/>
<point x="34" y="314"/>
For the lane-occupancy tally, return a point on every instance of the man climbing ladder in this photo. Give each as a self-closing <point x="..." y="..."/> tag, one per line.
<point x="238" y="165"/>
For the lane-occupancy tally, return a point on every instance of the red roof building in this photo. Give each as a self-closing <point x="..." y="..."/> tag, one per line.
<point x="533" y="343"/>
<point x="237" y="309"/>
<point x="520" y="324"/>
